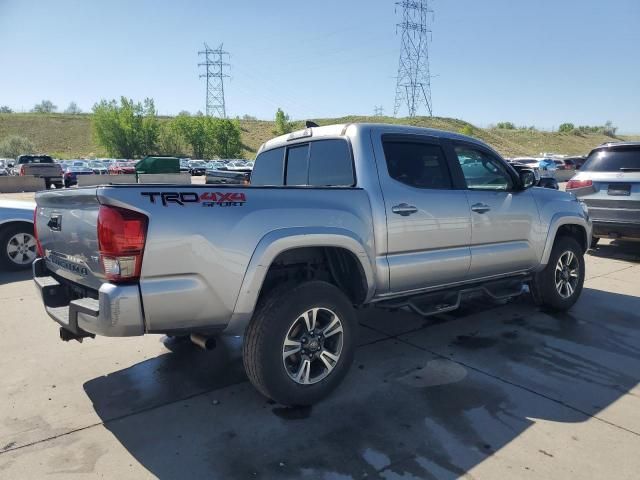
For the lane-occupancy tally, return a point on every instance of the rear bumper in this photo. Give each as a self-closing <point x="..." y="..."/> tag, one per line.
<point x="116" y="313"/>
<point x="605" y="229"/>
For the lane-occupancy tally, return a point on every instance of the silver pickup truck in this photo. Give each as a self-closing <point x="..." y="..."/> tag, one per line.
<point x="336" y="217"/>
<point x="41" y="166"/>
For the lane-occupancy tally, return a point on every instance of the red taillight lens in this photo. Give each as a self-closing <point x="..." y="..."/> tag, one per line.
<point x="573" y="184"/>
<point x="21" y="169"/>
<point x="35" y="233"/>
<point x="121" y="238"/>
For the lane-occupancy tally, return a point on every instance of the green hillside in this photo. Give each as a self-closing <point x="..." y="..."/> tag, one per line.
<point x="70" y="136"/>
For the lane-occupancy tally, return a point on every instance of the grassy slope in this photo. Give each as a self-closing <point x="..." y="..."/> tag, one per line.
<point x="70" y="136"/>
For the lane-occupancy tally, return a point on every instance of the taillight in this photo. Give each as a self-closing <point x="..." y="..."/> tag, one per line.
<point x="573" y="184"/>
<point x="121" y="238"/>
<point x="21" y="170"/>
<point x="35" y="233"/>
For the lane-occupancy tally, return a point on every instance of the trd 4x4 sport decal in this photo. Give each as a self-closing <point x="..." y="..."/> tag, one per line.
<point x="207" y="199"/>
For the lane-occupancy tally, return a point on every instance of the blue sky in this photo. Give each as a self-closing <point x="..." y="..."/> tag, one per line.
<point x="533" y="63"/>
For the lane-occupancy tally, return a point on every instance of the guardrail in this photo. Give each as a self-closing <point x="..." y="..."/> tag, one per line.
<point x="21" y="183"/>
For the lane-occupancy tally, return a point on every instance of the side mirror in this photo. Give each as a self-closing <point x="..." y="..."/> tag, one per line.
<point x="527" y="178"/>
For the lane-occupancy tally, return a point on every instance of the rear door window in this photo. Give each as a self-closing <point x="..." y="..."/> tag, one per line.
<point x="268" y="168"/>
<point x="417" y="164"/>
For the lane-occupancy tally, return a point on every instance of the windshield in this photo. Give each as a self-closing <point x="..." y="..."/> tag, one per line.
<point x="613" y="160"/>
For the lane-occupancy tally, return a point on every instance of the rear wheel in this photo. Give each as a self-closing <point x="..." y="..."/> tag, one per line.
<point x="559" y="285"/>
<point x="17" y="247"/>
<point x="300" y="342"/>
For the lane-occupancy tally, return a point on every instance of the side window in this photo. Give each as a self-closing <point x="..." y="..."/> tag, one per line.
<point x="298" y="165"/>
<point x="268" y="168"/>
<point x="482" y="171"/>
<point x="417" y="164"/>
<point x="330" y="164"/>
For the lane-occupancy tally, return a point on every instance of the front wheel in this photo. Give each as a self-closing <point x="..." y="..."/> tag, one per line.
<point x="300" y="342"/>
<point x="559" y="285"/>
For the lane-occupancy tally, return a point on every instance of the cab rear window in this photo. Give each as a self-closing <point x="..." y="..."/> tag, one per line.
<point x="320" y="163"/>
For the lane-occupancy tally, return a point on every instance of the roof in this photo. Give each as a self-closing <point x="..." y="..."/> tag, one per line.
<point x="352" y="129"/>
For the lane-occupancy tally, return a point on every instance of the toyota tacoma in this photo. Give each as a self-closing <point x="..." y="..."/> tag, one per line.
<point x="335" y="218"/>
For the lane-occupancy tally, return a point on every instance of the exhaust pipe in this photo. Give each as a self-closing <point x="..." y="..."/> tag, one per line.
<point x="205" y="343"/>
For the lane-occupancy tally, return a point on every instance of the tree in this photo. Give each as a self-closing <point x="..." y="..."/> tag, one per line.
<point x="14" y="145"/>
<point x="566" y="128"/>
<point x="128" y="129"/>
<point x="73" y="109"/>
<point x="184" y="113"/>
<point x="248" y="117"/>
<point x="282" y="123"/>
<point x="45" y="106"/>
<point x="5" y="109"/>
<point x="506" y="126"/>
<point x="170" y="141"/>
<point x="197" y="132"/>
<point x="226" y="135"/>
<point x="608" y="129"/>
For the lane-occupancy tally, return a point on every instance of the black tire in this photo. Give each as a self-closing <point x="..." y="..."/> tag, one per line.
<point x="6" y="234"/>
<point x="545" y="285"/>
<point x="270" y="325"/>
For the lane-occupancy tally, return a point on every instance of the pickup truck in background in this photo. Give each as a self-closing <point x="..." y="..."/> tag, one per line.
<point x="336" y="218"/>
<point x="41" y="166"/>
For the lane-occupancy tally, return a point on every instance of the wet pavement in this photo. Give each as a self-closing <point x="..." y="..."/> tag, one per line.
<point x="489" y="391"/>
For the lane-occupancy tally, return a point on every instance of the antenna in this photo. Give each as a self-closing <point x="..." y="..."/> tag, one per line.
<point x="214" y="73"/>
<point x="413" y="86"/>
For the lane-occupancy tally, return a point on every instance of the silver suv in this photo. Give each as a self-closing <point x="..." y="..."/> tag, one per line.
<point x="609" y="184"/>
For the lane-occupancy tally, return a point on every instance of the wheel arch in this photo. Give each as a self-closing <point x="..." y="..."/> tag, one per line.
<point x="339" y="244"/>
<point x="567" y="224"/>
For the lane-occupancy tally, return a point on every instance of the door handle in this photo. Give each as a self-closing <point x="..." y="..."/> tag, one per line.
<point x="480" y="207"/>
<point x="404" y="209"/>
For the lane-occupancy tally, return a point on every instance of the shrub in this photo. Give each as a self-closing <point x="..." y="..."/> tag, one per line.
<point x="566" y="128"/>
<point x="506" y="126"/>
<point x="467" y="130"/>
<point x="15" y="145"/>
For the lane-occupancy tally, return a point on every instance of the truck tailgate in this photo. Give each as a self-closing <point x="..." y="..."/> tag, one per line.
<point x="66" y="224"/>
<point x="42" y="169"/>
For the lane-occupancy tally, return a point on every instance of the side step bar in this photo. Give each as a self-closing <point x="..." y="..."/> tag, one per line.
<point x="435" y="303"/>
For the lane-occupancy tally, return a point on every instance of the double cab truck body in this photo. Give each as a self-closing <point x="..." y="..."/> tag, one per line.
<point x="336" y="217"/>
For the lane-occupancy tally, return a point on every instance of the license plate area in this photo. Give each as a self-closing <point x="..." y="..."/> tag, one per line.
<point x="619" y="189"/>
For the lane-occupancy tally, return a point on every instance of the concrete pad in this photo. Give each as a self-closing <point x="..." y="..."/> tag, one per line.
<point x="379" y="424"/>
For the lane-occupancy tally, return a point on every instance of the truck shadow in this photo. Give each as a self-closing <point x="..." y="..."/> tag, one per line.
<point x="7" y="277"/>
<point x="430" y="403"/>
<point x="618" y="250"/>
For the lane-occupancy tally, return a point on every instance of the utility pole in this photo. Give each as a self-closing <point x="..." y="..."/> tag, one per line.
<point x="215" y="74"/>
<point x="413" y="86"/>
<point x="378" y="111"/>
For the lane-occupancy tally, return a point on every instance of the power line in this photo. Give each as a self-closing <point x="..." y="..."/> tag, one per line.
<point x="413" y="86"/>
<point x="378" y="111"/>
<point x="215" y="75"/>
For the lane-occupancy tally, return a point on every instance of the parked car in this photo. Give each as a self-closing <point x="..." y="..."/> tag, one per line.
<point x="564" y="164"/>
<point x="41" y="166"/>
<point x="98" y="167"/>
<point x="337" y="217"/>
<point x="609" y="184"/>
<point x="17" y="241"/>
<point x="197" y="167"/>
<point x="577" y="161"/>
<point x="4" y="171"/>
<point x="118" y="168"/>
<point x="71" y="175"/>
<point x="543" y="179"/>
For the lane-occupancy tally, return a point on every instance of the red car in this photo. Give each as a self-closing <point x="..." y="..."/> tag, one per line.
<point x="118" y="168"/>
